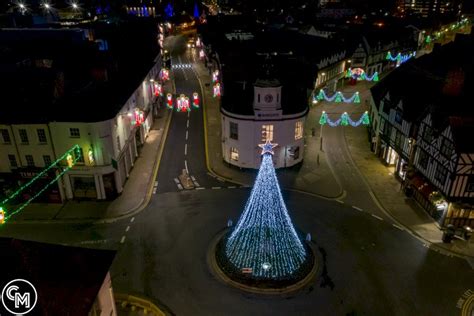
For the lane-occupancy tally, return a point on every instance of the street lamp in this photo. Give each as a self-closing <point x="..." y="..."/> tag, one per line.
<point x="75" y="6"/>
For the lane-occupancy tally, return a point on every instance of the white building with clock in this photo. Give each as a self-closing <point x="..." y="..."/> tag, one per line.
<point x="254" y="113"/>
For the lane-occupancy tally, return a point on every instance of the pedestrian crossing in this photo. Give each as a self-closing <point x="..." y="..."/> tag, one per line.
<point x="182" y="66"/>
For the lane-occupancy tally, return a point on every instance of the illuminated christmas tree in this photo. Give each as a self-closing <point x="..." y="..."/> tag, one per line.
<point x="264" y="243"/>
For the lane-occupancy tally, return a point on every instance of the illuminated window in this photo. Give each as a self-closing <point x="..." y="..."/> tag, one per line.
<point x="234" y="154"/>
<point x="80" y="155"/>
<point x="267" y="133"/>
<point x="299" y="130"/>
<point x="234" y="130"/>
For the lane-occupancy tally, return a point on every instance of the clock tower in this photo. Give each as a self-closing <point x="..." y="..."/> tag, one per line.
<point x="267" y="99"/>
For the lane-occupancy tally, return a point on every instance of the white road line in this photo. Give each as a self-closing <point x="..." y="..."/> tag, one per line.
<point x="156" y="183"/>
<point x="154" y="191"/>
<point x="127" y="229"/>
<point x="189" y="113"/>
<point x="187" y="134"/>
<point x="185" y="149"/>
<point x="133" y="218"/>
<point x="215" y="188"/>
<point x="200" y="188"/>
<point x="399" y="227"/>
<point x="186" y="166"/>
<point x="377" y="217"/>
<point x="193" y="178"/>
<point x="357" y="208"/>
<point x="176" y="180"/>
<point x="180" y="186"/>
<point x="187" y="124"/>
<point x="122" y="240"/>
<point x="339" y="201"/>
<point x="231" y="187"/>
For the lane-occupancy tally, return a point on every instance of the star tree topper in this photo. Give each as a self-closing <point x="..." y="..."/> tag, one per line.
<point x="267" y="148"/>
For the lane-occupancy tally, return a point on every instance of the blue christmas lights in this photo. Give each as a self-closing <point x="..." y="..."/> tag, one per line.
<point x="264" y="240"/>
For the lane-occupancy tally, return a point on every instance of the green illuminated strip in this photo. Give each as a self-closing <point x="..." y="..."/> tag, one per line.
<point x="66" y="169"/>
<point x="75" y="147"/>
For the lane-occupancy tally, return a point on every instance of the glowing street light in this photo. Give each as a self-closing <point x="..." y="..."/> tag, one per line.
<point x="75" y="6"/>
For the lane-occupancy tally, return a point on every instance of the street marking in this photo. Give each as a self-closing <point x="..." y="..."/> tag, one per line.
<point x="215" y="188"/>
<point x="156" y="184"/>
<point x="189" y="113"/>
<point x="210" y="174"/>
<point x="122" y="240"/>
<point x="357" y="208"/>
<point x="180" y="186"/>
<point x="377" y="217"/>
<point x="196" y="184"/>
<point x="200" y="188"/>
<point x="187" y="134"/>
<point x="231" y="187"/>
<point x="127" y="229"/>
<point x="339" y="201"/>
<point x="187" y="124"/>
<point x="186" y="166"/>
<point x="220" y="179"/>
<point x="133" y="218"/>
<point x="176" y="180"/>
<point x="154" y="190"/>
<point x="185" y="149"/>
<point x="399" y="227"/>
<point x="193" y="178"/>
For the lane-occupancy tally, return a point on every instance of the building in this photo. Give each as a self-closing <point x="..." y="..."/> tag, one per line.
<point x="101" y="105"/>
<point x="421" y="119"/>
<point x="428" y="8"/>
<point x="69" y="280"/>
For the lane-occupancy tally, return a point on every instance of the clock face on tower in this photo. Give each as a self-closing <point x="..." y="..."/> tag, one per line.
<point x="268" y="98"/>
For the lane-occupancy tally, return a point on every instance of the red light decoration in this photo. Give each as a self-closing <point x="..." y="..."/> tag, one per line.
<point x="217" y="90"/>
<point x="195" y="100"/>
<point x="169" y="101"/>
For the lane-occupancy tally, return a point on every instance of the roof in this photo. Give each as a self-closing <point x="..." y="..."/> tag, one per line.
<point x="462" y="129"/>
<point x="67" y="279"/>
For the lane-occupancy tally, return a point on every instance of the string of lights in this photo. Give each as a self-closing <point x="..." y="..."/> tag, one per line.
<point x="399" y="58"/>
<point x="71" y="162"/>
<point x="344" y="120"/>
<point x="338" y="97"/>
<point x="264" y="239"/>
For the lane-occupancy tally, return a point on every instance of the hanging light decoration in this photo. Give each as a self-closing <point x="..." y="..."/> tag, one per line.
<point x="344" y="120"/>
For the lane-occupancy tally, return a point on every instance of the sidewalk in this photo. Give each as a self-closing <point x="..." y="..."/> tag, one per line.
<point x="135" y="195"/>
<point x="311" y="177"/>
<point x="387" y="189"/>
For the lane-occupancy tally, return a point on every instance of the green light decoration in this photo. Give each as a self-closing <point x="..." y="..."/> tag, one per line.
<point x="344" y="120"/>
<point x="75" y="150"/>
<point x="338" y="98"/>
<point x="356" y="98"/>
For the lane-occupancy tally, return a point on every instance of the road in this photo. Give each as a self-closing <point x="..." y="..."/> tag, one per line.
<point x="368" y="266"/>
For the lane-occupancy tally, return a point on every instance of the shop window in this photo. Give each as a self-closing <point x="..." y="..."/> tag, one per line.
<point x="423" y="159"/>
<point x="299" y="130"/>
<point x="41" y="136"/>
<point x="23" y="136"/>
<point x="80" y="157"/>
<point x="30" y="161"/>
<point x="234" y="154"/>
<point x="428" y="134"/>
<point x="267" y="133"/>
<point x="441" y="173"/>
<point x="5" y="136"/>
<point x="234" y="130"/>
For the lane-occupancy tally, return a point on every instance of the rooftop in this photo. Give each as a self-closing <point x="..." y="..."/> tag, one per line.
<point x="67" y="279"/>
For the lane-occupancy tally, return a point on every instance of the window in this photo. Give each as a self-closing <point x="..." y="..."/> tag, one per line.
<point x="299" y="130"/>
<point x="258" y="98"/>
<point x="80" y="157"/>
<point x="234" y="154"/>
<point x="30" y="161"/>
<point x="47" y="160"/>
<point x="119" y="148"/>
<point x="399" y="139"/>
<point x="74" y="132"/>
<point x="41" y="136"/>
<point x="441" y="173"/>
<point x="267" y="133"/>
<point x="398" y="117"/>
<point x="423" y="159"/>
<point x="428" y="134"/>
<point x="12" y="159"/>
<point x="23" y="136"/>
<point x="470" y="185"/>
<point x="447" y="148"/>
<point x="234" y="130"/>
<point x="6" y="136"/>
